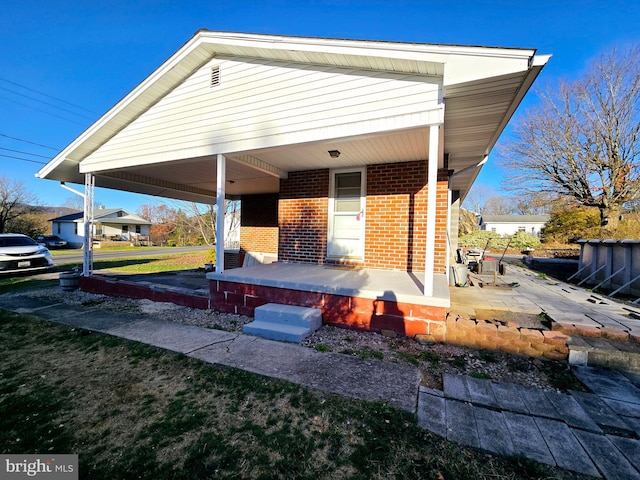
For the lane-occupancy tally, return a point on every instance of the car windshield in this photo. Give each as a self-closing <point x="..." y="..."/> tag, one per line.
<point x="16" y="241"/>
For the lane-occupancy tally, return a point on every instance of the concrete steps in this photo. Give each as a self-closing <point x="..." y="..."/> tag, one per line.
<point x="621" y="355"/>
<point x="285" y="323"/>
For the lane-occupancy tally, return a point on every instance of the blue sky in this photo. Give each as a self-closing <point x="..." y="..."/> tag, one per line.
<point x="64" y="63"/>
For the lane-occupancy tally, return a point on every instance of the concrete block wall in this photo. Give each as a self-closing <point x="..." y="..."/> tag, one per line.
<point x="337" y="310"/>
<point x="506" y="337"/>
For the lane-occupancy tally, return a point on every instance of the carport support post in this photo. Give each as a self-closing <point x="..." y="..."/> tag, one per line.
<point x="87" y="263"/>
<point x="220" y="194"/>
<point x="432" y="188"/>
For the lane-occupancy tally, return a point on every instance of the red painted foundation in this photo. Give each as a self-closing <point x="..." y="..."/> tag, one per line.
<point x="120" y="288"/>
<point x="337" y="310"/>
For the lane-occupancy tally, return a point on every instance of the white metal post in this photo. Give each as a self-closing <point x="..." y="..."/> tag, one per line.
<point x="87" y="242"/>
<point x="220" y="194"/>
<point x="87" y="264"/>
<point x="432" y="187"/>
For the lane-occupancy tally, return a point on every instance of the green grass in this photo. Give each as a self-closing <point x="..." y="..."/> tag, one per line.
<point x="134" y="411"/>
<point x="365" y="353"/>
<point x="143" y="264"/>
<point x="416" y="358"/>
<point x="146" y="263"/>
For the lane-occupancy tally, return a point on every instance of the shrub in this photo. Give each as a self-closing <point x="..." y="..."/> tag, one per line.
<point x="211" y="256"/>
<point x="480" y="238"/>
<point x="568" y="224"/>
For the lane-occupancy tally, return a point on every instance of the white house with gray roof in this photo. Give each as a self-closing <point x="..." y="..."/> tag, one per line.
<point x="511" y="224"/>
<point x="109" y="224"/>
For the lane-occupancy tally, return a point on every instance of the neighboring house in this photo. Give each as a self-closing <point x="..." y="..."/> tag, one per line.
<point x="342" y="152"/>
<point x="109" y="224"/>
<point x="510" y="224"/>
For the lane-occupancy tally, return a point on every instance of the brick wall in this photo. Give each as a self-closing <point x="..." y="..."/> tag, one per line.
<point x="354" y="313"/>
<point x="303" y="217"/>
<point x="396" y="217"/>
<point x="259" y="239"/>
<point x="396" y="206"/>
<point x="259" y="223"/>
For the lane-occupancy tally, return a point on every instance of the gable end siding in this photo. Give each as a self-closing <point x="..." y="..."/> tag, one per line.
<point x="263" y="103"/>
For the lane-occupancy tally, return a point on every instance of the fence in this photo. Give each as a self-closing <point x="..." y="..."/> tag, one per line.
<point x="612" y="266"/>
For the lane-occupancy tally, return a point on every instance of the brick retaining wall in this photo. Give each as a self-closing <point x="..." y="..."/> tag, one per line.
<point x="506" y="337"/>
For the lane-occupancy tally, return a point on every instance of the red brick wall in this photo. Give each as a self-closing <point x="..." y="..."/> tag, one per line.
<point x="259" y="239"/>
<point x="341" y="311"/>
<point x="442" y="206"/>
<point x="259" y="224"/>
<point x="396" y="217"/>
<point x="302" y="216"/>
<point x="396" y="206"/>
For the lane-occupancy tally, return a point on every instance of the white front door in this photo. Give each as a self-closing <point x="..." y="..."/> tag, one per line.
<point x="346" y="214"/>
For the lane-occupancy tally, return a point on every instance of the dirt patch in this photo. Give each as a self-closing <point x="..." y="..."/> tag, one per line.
<point x="526" y="320"/>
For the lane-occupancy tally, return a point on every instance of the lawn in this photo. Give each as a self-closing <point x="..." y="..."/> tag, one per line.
<point x="134" y="411"/>
<point x="139" y="264"/>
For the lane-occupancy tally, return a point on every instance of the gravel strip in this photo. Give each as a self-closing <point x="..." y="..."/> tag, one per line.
<point x="432" y="359"/>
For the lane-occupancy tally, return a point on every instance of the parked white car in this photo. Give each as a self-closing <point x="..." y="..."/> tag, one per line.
<point x="19" y="253"/>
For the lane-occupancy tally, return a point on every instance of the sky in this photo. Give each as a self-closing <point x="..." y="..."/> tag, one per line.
<point x="64" y="63"/>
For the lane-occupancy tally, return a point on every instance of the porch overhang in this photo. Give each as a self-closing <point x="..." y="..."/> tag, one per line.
<point x="480" y="89"/>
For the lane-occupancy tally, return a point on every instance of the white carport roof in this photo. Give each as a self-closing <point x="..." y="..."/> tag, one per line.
<point x="482" y="87"/>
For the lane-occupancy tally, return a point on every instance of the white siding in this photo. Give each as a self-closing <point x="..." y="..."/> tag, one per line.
<point x="263" y="103"/>
<point x="68" y="232"/>
<point x="512" y="228"/>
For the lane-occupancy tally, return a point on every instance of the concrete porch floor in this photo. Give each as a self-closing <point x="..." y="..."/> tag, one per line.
<point x="404" y="287"/>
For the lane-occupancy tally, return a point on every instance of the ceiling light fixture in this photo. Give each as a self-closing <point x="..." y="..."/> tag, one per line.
<point x="334" y="153"/>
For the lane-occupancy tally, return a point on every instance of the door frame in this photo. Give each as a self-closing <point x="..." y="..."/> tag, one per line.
<point x="331" y="211"/>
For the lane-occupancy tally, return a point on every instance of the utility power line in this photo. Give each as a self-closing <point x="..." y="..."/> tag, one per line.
<point x="41" y="110"/>
<point x="27" y="141"/>
<point x="23" y="159"/>
<point x="24" y="153"/>
<point x="47" y="95"/>
<point x="46" y="103"/>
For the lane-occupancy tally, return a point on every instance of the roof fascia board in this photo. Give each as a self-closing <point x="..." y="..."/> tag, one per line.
<point x="400" y="50"/>
<point x="193" y="48"/>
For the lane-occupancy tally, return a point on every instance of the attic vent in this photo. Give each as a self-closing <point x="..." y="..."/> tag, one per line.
<point x="215" y="76"/>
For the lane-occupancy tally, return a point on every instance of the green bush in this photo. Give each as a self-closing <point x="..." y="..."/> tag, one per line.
<point x="211" y="256"/>
<point x="480" y="238"/>
<point x="570" y="223"/>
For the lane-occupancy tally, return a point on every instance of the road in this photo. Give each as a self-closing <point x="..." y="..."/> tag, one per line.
<point x="76" y="256"/>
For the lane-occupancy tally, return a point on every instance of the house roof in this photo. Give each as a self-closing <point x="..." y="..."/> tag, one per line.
<point x="480" y="88"/>
<point x="101" y="215"/>
<point x="520" y="219"/>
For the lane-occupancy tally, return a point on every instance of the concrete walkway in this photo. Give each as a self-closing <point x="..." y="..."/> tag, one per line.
<point x="594" y="433"/>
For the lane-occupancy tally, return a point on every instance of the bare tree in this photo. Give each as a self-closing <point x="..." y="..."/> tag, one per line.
<point x="477" y="197"/>
<point x="205" y="217"/>
<point x="15" y="201"/>
<point x="499" y="205"/>
<point x="582" y="140"/>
